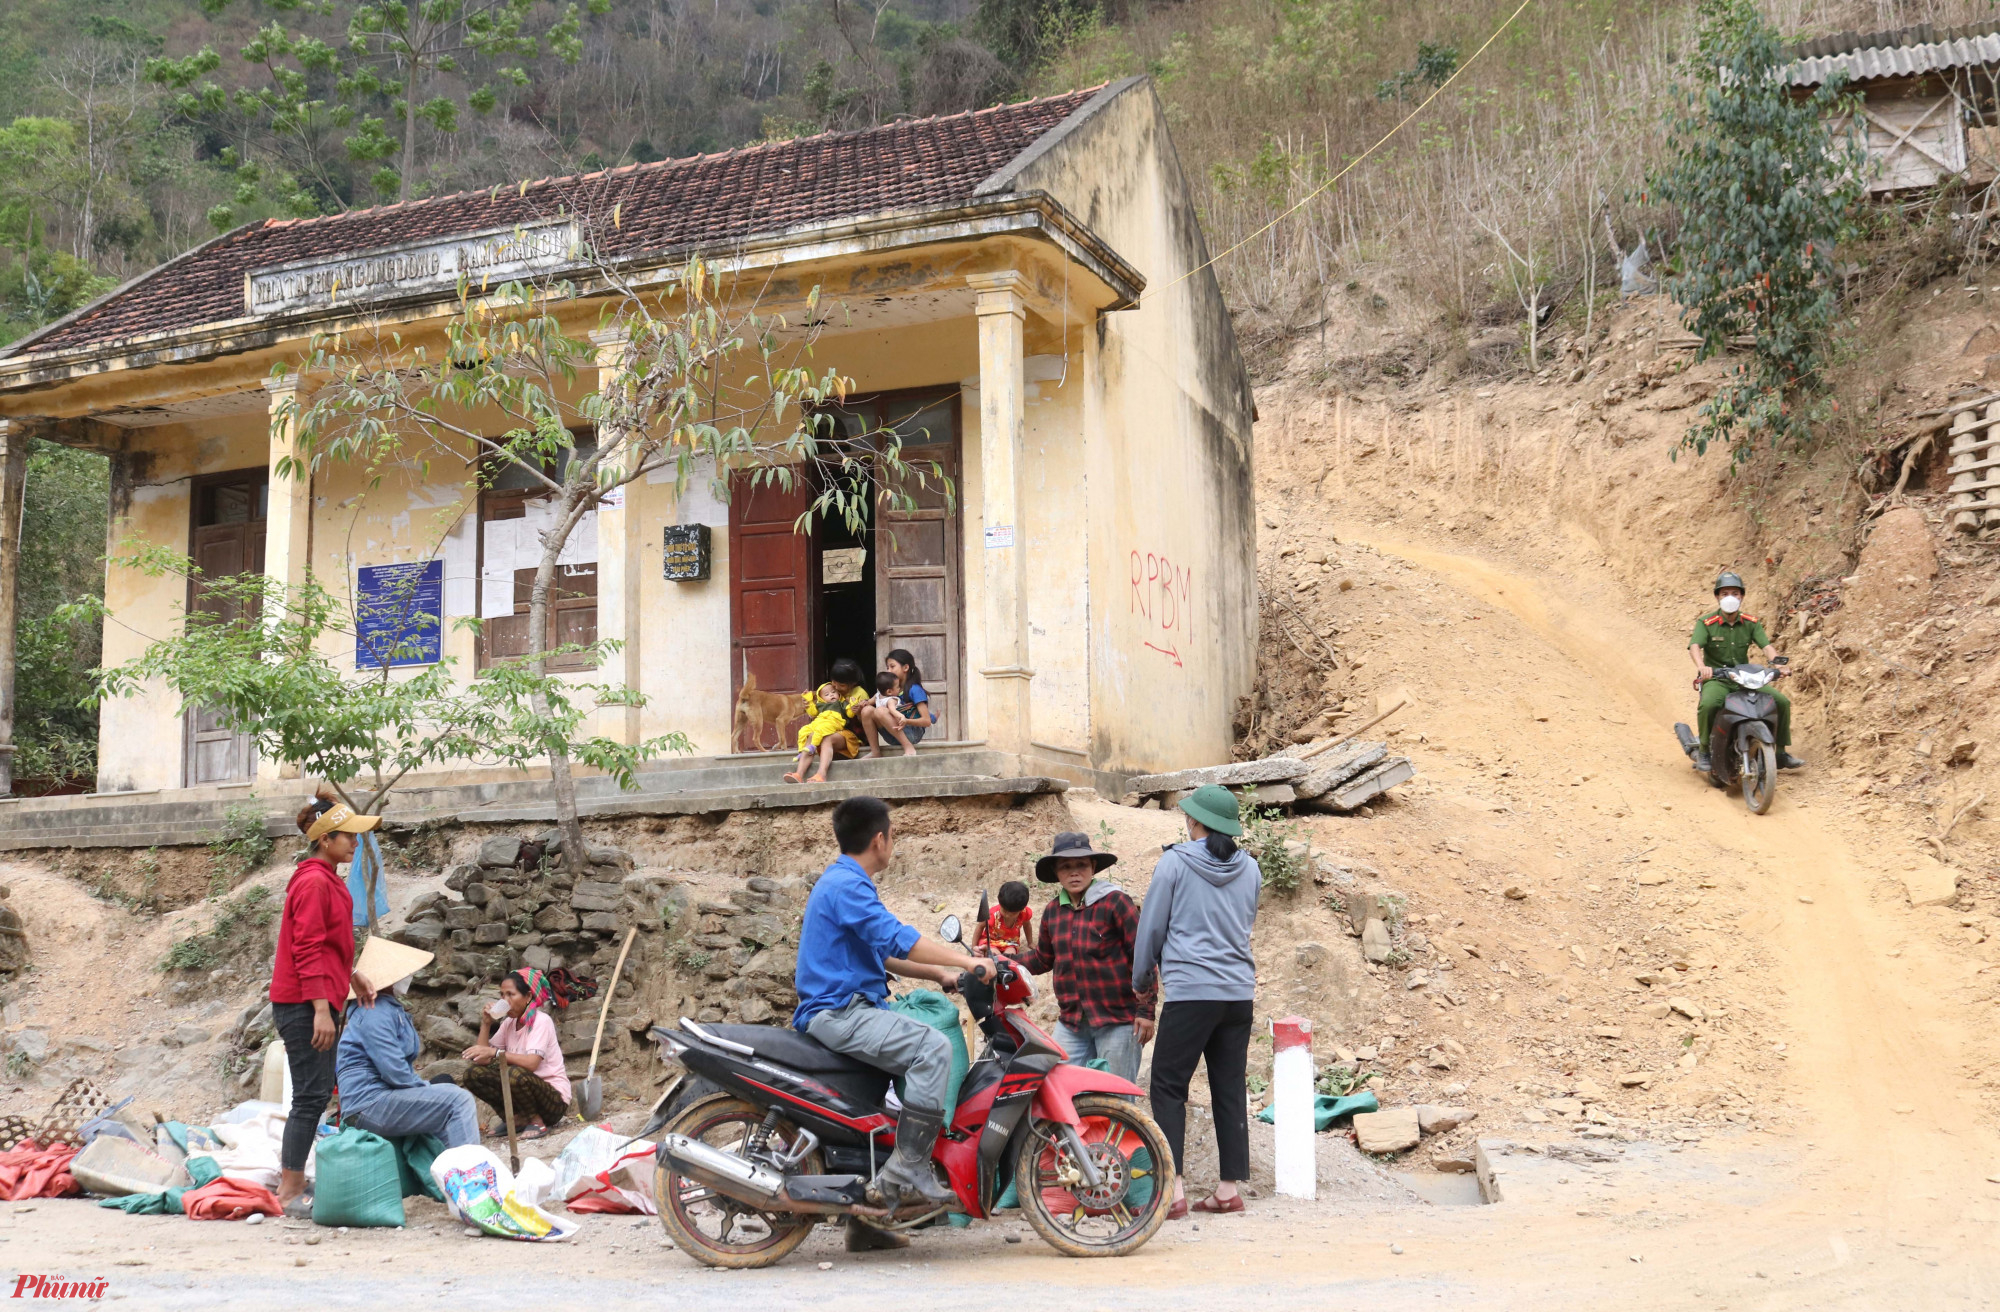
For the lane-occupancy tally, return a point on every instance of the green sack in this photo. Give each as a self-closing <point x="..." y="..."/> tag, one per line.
<point x="941" y="1014"/>
<point x="359" y="1181"/>
<point x="414" y="1155"/>
<point x="1327" y="1109"/>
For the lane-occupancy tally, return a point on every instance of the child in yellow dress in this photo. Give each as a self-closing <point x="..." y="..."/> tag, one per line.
<point x="833" y="708"/>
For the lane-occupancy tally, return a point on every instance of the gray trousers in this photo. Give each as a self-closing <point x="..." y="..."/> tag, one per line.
<point x="1117" y="1044"/>
<point x="445" y="1110"/>
<point x="890" y="1041"/>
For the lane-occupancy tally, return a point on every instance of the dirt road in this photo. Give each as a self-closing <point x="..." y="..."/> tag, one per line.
<point x="1858" y="1178"/>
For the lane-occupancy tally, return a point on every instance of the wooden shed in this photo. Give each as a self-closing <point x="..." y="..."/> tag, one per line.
<point x="1930" y="99"/>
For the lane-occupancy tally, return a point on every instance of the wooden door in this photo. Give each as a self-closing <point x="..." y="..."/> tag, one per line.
<point x="228" y="514"/>
<point x="771" y="572"/>
<point x="918" y="556"/>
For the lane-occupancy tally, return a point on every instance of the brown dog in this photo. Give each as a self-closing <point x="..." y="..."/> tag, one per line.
<point x="758" y="710"/>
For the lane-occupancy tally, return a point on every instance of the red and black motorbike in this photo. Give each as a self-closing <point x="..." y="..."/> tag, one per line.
<point x="772" y="1134"/>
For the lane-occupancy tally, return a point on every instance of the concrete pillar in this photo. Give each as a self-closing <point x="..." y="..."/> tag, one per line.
<point x="1295" y="1154"/>
<point x="1002" y="417"/>
<point x="287" y="517"/>
<point x="14" y="438"/>
<point x="618" y="555"/>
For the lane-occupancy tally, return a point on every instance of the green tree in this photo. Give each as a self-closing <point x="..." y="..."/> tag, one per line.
<point x="424" y="61"/>
<point x="65" y="509"/>
<point x="1767" y="185"/>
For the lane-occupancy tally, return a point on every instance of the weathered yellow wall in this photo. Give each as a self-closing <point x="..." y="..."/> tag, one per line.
<point x="1172" y="541"/>
<point x="140" y="739"/>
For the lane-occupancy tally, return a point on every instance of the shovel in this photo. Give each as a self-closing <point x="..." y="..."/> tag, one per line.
<point x="590" y="1103"/>
<point x="507" y="1110"/>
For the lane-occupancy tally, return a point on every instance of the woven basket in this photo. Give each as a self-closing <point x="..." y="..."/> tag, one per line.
<point x="75" y="1106"/>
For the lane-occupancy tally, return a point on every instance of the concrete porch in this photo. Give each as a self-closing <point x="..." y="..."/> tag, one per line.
<point x="687" y="786"/>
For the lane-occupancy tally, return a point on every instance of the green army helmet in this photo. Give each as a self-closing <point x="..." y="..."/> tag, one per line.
<point x="1728" y="579"/>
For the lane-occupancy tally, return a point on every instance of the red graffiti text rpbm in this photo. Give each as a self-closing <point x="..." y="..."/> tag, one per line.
<point x="1162" y="592"/>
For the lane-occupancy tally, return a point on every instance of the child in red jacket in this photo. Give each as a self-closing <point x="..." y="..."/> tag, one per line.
<point x="1007" y="925"/>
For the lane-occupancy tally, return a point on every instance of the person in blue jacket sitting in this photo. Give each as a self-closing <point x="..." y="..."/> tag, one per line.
<point x="380" y="1090"/>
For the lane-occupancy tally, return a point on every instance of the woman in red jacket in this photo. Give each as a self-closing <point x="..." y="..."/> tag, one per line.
<point x="310" y="978"/>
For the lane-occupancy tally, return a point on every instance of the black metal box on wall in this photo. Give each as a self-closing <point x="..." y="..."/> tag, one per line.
<point x="687" y="553"/>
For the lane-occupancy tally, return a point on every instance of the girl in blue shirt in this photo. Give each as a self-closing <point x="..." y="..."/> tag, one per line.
<point x="912" y="717"/>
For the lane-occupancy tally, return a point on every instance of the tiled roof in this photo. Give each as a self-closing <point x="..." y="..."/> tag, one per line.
<point x="914" y="164"/>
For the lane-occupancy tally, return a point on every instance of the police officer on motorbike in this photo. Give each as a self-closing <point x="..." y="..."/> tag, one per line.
<point x="1723" y="637"/>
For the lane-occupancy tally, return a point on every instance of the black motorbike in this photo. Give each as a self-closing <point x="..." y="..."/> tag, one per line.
<point x="1742" y="742"/>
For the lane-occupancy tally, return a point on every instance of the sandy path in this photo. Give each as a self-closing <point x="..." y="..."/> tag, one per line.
<point x="1879" y="1050"/>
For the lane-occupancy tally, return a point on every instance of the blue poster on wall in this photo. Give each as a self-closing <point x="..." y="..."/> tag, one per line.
<point x="399" y="614"/>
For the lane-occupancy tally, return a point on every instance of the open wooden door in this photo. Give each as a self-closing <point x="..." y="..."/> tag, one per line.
<point x="917" y="555"/>
<point x="228" y="539"/>
<point x="771" y="573"/>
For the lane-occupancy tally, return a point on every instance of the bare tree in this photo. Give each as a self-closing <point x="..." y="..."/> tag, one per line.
<point x="102" y="85"/>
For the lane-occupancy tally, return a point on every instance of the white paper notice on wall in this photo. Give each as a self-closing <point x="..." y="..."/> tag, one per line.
<point x="496" y="574"/>
<point x="998" y="536"/>
<point x="517" y="544"/>
<point x="460" y="552"/>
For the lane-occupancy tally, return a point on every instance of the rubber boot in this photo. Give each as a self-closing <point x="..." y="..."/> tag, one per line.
<point x="1700" y="761"/>
<point x="1786" y="761"/>
<point x="908" y="1177"/>
<point x="865" y="1238"/>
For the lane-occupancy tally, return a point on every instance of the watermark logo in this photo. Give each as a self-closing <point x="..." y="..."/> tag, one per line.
<point x="57" y="1287"/>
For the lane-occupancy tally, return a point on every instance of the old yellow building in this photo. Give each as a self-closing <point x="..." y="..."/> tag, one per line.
<point x="1028" y="282"/>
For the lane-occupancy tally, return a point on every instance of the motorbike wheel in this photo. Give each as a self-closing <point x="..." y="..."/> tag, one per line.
<point x="1137" y="1170"/>
<point x="713" y="1228"/>
<point x="1760" y="777"/>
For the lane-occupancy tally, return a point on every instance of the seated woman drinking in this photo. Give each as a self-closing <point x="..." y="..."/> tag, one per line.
<point x="380" y="1090"/>
<point x="526" y="1040"/>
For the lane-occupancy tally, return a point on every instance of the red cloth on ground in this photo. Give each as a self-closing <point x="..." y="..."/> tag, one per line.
<point x="229" y="1200"/>
<point x="29" y="1170"/>
<point x="315" y="937"/>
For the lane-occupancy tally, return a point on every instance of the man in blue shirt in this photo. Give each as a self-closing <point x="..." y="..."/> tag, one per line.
<point x="848" y="943"/>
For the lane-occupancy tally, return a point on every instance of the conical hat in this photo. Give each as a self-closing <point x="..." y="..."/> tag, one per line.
<point x="384" y="961"/>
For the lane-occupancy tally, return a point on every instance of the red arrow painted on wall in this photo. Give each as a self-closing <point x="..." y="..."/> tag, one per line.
<point x="1171" y="654"/>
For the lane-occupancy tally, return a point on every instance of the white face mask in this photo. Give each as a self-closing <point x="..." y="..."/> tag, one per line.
<point x="401" y="986"/>
<point x="1731" y="605"/>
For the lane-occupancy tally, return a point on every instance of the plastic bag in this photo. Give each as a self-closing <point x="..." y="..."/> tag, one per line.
<point x="360" y="1182"/>
<point x="598" y="1173"/>
<point x="481" y="1192"/>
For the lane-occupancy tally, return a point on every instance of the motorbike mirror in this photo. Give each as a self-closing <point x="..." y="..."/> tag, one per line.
<point x="949" y="930"/>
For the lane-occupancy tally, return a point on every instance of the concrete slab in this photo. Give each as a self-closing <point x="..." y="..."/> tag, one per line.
<point x="685" y="786"/>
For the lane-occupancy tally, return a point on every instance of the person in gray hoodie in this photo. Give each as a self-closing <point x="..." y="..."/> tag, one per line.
<point x="1194" y="935"/>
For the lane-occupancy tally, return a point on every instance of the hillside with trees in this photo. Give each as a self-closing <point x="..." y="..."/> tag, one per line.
<point x="1435" y="186"/>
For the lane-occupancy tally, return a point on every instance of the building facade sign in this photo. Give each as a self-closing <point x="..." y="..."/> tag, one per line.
<point x="482" y="258"/>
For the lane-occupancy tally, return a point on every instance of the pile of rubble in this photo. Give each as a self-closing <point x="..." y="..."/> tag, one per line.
<point x="1337" y="776"/>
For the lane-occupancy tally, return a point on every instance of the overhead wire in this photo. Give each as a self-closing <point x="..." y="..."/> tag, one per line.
<point x="1354" y="163"/>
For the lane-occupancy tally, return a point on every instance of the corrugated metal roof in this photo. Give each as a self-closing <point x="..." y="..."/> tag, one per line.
<point x="1906" y="52"/>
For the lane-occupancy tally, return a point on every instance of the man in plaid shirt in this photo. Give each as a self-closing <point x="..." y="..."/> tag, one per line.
<point x="1086" y="939"/>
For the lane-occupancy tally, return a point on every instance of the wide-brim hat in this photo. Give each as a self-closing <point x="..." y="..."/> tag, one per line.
<point x="384" y="961"/>
<point x="1070" y="847"/>
<point x="1216" y="807"/>
<point x="342" y="818"/>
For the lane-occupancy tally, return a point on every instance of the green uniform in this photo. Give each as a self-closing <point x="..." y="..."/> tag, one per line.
<point x="1726" y="639"/>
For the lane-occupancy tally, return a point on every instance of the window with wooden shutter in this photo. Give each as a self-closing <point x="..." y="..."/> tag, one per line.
<point x="572" y="593"/>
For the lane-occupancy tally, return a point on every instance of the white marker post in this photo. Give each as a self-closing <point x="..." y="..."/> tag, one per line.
<point x="1292" y="1106"/>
